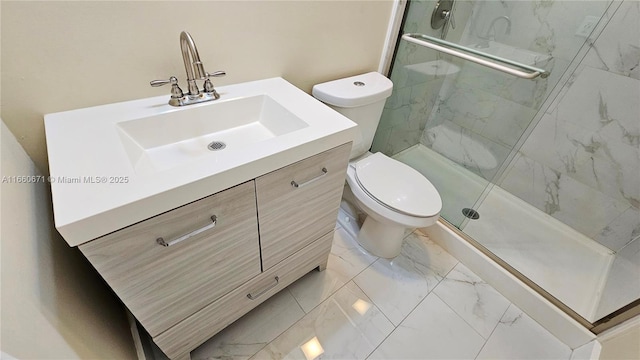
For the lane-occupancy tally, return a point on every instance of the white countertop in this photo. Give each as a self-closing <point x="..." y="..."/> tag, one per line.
<point x="97" y="190"/>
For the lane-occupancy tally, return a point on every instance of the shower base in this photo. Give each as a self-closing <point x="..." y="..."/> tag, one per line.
<point x="570" y="266"/>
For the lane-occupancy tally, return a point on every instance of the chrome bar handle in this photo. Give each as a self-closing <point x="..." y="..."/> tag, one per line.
<point x="457" y="50"/>
<point x="161" y="241"/>
<point x="260" y="293"/>
<point x="296" y="185"/>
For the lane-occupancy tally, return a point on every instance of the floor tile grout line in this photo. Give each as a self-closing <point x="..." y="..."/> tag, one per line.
<point x="460" y="316"/>
<point x="376" y="305"/>
<point x="294" y="297"/>
<point x="386" y="337"/>
<point x="285" y="330"/>
<point x="322" y="302"/>
<point x="405" y="318"/>
<point x="494" y="329"/>
<point x="325" y="299"/>
<point x="304" y="313"/>
<point x="328" y="296"/>
<point x="301" y="308"/>
<point x="450" y="270"/>
<point x="500" y="318"/>
<point x="383" y="340"/>
<point x="442" y="277"/>
<point x="377" y="258"/>
<point x="335" y="291"/>
<point x="427" y="294"/>
<point x="423" y="299"/>
<point x="352" y="279"/>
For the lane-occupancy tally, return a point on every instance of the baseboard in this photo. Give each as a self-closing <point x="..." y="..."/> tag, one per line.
<point x="588" y="351"/>
<point x="561" y="325"/>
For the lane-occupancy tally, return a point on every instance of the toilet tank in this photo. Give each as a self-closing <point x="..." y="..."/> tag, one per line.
<point x="360" y="98"/>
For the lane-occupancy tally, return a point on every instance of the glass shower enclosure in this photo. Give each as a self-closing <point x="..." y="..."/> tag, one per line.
<point x="542" y="170"/>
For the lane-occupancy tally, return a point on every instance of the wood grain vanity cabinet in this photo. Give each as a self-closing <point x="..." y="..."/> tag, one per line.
<point x="188" y="273"/>
<point x="297" y="204"/>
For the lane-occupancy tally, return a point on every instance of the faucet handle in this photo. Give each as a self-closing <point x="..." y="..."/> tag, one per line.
<point x="172" y="80"/>
<point x="216" y="74"/>
<point x="176" y="92"/>
<point x="208" y="86"/>
<point x="447" y="15"/>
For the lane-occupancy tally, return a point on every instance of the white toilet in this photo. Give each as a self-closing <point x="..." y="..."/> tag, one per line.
<point x="394" y="196"/>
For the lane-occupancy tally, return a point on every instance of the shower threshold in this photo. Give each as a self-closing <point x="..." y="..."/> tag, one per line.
<point x="568" y="265"/>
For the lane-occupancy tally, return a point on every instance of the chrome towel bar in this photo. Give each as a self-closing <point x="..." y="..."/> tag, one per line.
<point x="477" y="57"/>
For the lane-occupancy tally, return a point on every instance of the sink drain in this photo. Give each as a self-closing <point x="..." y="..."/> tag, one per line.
<point x="216" y="145"/>
<point x="471" y="214"/>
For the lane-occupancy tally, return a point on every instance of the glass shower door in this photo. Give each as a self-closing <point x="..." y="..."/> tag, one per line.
<point x="507" y="148"/>
<point x="421" y="77"/>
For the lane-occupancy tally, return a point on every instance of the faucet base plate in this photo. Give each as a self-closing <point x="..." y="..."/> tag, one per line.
<point x="194" y="99"/>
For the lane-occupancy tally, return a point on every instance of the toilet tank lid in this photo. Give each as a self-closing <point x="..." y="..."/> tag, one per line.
<point x="354" y="91"/>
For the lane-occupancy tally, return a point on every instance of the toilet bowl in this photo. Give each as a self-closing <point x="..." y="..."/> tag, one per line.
<point x="394" y="196"/>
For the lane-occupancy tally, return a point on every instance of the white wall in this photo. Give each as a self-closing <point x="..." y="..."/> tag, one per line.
<point x="54" y="305"/>
<point x="62" y="55"/>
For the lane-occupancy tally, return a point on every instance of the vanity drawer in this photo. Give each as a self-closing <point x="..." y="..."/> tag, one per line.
<point x="162" y="285"/>
<point x="196" y="329"/>
<point x="291" y="216"/>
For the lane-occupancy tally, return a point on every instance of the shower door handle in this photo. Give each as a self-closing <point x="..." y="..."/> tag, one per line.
<point x="476" y="56"/>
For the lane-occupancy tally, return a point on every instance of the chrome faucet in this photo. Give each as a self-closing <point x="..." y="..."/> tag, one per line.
<point x="195" y="71"/>
<point x="192" y="63"/>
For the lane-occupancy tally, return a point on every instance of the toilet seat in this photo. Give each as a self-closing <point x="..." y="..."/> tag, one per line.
<point x="397" y="186"/>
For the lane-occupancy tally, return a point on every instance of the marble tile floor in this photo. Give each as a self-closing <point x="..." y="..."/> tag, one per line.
<point x="423" y="304"/>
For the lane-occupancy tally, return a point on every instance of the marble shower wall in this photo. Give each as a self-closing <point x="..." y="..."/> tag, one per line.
<point x="416" y="78"/>
<point x="581" y="163"/>
<point x="493" y="109"/>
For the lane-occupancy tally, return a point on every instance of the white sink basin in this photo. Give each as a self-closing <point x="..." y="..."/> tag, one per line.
<point x="114" y="165"/>
<point x="163" y="141"/>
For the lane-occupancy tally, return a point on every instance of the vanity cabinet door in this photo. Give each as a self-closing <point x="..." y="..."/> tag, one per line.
<point x="196" y="329"/>
<point x="163" y="285"/>
<point x="299" y="203"/>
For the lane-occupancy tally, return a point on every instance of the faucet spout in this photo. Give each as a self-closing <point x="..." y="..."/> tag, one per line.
<point x="195" y="71"/>
<point x="192" y="63"/>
